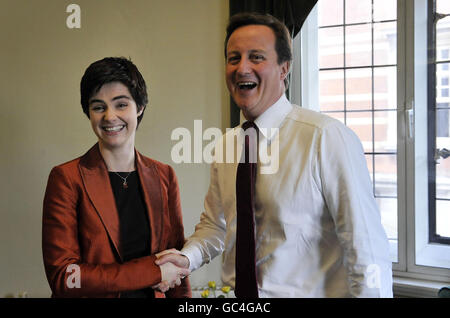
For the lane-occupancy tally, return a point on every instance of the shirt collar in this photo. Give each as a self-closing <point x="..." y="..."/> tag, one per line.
<point x="273" y="117"/>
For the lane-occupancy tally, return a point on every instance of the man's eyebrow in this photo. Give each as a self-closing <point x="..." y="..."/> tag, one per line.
<point x="233" y="52"/>
<point x="257" y="51"/>
<point x="251" y="51"/>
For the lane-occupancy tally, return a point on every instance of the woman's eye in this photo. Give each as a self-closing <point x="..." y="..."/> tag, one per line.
<point x="122" y="105"/>
<point x="97" y="108"/>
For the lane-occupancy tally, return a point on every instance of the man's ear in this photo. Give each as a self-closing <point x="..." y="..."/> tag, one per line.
<point x="285" y="68"/>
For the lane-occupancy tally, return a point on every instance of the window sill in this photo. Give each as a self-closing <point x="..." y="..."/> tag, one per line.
<point x="417" y="288"/>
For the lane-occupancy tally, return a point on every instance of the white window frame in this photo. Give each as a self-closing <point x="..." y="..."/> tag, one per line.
<point x="412" y="171"/>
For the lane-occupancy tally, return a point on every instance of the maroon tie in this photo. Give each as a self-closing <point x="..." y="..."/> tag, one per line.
<point x="246" y="285"/>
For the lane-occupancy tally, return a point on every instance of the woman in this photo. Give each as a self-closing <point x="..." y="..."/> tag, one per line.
<point x="107" y="213"/>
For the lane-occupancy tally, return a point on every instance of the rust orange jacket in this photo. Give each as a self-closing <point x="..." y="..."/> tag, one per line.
<point x="81" y="226"/>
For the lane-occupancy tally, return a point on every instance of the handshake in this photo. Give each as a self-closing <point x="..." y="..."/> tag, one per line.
<point x="174" y="267"/>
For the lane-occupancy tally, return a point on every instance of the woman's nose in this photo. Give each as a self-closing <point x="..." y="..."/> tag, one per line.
<point x="109" y="115"/>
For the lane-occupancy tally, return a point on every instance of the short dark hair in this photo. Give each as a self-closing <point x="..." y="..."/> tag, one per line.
<point x="283" y="44"/>
<point x="113" y="69"/>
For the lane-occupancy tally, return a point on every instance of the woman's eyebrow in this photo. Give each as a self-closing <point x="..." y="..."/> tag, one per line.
<point x="96" y="101"/>
<point x="121" y="96"/>
<point x="115" y="98"/>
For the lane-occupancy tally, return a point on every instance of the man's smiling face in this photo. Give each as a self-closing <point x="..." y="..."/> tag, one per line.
<point x="254" y="77"/>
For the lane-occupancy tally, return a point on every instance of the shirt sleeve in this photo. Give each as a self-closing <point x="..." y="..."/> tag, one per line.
<point x="208" y="239"/>
<point x="348" y="193"/>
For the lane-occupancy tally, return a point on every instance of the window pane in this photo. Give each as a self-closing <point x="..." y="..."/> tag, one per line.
<point x="369" y="160"/>
<point x="385" y="130"/>
<point x="442" y="39"/>
<point x="361" y="124"/>
<point x="331" y="90"/>
<point x="442" y="123"/>
<point x="331" y="12"/>
<point x="358" y="89"/>
<point x="384" y="10"/>
<point x="357" y="11"/>
<point x="386" y="175"/>
<point x="337" y="115"/>
<point x="331" y="47"/>
<point x="443" y="141"/>
<point x="385" y="43"/>
<point x="443" y="6"/>
<point x="385" y="87"/>
<point x="443" y="179"/>
<point x="358" y="46"/>
<point x="388" y="210"/>
<point x="443" y="218"/>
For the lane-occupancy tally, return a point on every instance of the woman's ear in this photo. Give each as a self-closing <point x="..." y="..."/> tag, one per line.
<point x="140" y="110"/>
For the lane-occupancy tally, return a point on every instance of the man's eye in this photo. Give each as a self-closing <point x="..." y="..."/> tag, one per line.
<point x="122" y="105"/>
<point x="257" y="57"/>
<point x="233" y="59"/>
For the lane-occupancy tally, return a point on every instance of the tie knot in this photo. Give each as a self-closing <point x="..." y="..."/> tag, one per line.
<point x="249" y="124"/>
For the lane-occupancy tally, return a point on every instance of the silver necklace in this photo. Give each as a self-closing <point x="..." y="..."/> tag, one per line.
<point x="124" y="184"/>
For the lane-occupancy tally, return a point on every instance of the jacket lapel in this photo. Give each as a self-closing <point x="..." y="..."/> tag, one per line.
<point x="151" y="189"/>
<point x="97" y="184"/>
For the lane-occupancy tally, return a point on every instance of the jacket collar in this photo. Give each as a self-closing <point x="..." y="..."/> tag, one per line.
<point x="98" y="187"/>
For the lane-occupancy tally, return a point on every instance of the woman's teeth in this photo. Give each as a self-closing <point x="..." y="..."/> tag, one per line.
<point x="115" y="128"/>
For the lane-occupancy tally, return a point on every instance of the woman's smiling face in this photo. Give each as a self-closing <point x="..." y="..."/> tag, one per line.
<point x="113" y="114"/>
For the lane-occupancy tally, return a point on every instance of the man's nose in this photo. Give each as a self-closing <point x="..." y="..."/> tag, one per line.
<point x="244" y="67"/>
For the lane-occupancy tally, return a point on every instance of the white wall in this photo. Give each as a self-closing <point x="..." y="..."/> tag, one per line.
<point x="178" y="47"/>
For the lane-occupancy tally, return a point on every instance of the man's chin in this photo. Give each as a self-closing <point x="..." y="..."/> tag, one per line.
<point x="243" y="105"/>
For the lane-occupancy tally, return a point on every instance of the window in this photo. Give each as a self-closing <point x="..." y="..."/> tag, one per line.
<point x="357" y="48"/>
<point x="365" y="62"/>
<point x="438" y="132"/>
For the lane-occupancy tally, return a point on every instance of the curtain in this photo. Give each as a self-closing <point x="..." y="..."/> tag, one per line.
<point x="291" y="12"/>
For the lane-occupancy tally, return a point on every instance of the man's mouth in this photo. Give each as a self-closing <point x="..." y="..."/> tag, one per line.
<point x="246" y="85"/>
<point x="113" y="128"/>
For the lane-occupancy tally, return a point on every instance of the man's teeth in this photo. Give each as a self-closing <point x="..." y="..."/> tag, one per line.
<point x="115" y="128"/>
<point x="246" y="85"/>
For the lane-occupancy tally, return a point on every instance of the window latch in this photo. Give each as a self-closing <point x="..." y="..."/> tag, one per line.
<point x="443" y="153"/>
<point x="410" y="119"/>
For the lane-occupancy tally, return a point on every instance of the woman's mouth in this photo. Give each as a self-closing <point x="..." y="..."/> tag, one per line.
<point x="111" y="130"/>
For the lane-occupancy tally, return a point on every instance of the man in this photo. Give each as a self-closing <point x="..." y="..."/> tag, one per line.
<point x="317" y="226"/>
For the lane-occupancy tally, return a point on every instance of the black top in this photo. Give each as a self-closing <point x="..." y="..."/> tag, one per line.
<point x="134" y="223"/>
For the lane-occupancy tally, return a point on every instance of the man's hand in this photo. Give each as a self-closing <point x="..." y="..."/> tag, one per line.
<point x="174" y="267"/>
<point x="173" y="256"/>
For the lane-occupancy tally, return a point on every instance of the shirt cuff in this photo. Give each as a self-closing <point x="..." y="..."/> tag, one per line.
<point x="194" y="255"/>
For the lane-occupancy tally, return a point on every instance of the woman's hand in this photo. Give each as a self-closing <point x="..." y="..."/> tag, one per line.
<point x="174" y="267"/>
<point x="173" y="256"/>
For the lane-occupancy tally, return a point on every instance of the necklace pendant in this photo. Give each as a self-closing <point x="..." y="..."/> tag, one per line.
<point x="125" y="185"/>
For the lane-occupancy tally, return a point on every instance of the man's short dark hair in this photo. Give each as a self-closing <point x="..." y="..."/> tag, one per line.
<point x="283" y="45"/>
<point x="113" y="69"/>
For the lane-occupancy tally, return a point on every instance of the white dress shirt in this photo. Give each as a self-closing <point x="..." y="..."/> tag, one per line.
<point x="318" y="227"/>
